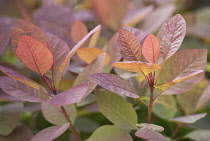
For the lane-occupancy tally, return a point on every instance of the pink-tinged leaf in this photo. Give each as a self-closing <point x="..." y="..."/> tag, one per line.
<point x="95" y="67"/>
<point x="135" y="16"/>
<point x="154" y="127"/>
<point x="183" y="63"/>
<point x="129" y="46"/>
<point x="148" y="134"/>
<point x="50" y="133"/>
<point x="75" y="48"/>
<point x="10" y="117"/>
<point x="21" y="91"/>
<point x="6" y="97"/>
<point x="73" y="95"/>
<point x="189" y="118"/>
<point x="110" y="12"/>
<point x="199" y="135"/>
<point x="204" y="98"/>
<point x="4" y="39"/>
<point x="85" y="15"/>
<point x="157" y="17"/>
<point x="114" y="83"/>
<point x="26" y="28"/>
<point x="63" y="15"/>
<point x="21" y="78"/>
<point x="60" y="51"/>
<point x="35" y="55"/>
<point x="171" y="35"/>
<point x="151" y="48"/>
<point x="137" y="66"/>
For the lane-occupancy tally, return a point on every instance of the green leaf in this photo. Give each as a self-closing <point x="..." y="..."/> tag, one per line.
<point x="110" y="133"/>
<point x="199" y="135"/>
<point x="116" y="109"/>
<point x="190" y="118"/>
<point x="154" y="127"/>
<point x="55" y="116"/>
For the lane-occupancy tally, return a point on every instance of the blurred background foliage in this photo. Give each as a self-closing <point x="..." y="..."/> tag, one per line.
<point x="58" y="16"/>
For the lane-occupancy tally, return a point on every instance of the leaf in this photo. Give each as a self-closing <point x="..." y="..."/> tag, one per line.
<point x="116" y="109"/>
<point x="114" y="83"/>
<point x="153" y="127"/>
<point x="151" y="48"/>
<point x="177" y="80"/>
<point x="94" y="38"/>
<point x="110" y="12"/>
<point x="135" y="16"/>
<point x="171" y="35"/>
<point x="199" y="135"/>
<point x="204" y="98"/>
<point x="4" y="39"/>
<point x="10" y="117"/>
<point x="75" y="48"/>
<point x="21" y="91"/>
<point x="165" y="107"/>
<point x="35" y="55"/>
<point x="137" y="66"/>
<point x="60" y="51"/>
<point x="152" y="23"/>
<point x="55" y="116"/>
<point x="187" y="62"/>
<point x="190" y="118"/>
<point x="50" y="133"/>
<point x="129" y="45"/>
<point x="72" y="95"/>
<point x="148" y="134"/>
<point x="23" y="28"/>
<point x="78" y="31"/>
<point x="109" y="133"/>
<point x="186" y="99"/>
<point x="89" y="54"/>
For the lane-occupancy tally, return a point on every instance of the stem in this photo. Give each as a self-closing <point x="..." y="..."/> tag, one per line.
<point x="149" y="115"/>
<point x="71" y="125"/>
<point x="49" y="85"/>
<point x="177" y="129"/>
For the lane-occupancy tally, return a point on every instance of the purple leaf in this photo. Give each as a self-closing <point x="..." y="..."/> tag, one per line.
<point x="148" y="134"/>
<point x="4" y="39"/>
<point x="183" y="63"/>
<point x="154" y="127"/>
<point x="114" y="83"/>
<point x="171" y="36"/>
<point x="50" y="133"/>
<point x="204" y="98"/>
<point x="5" y="96"/>
<point x="10" y="117"/>
<point x="73" y="95"/>
<point x="21" y="90"/>
<point x="189" y="118"/>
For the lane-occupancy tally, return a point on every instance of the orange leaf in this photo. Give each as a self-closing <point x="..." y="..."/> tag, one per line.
<point x="129" y="45"/>
<point x="78" y="31"/>
<point x="151" y="48"/>
<point x="35" y="55"/>
<point x="88" y="55"/>
<point x="177" y="80"/>
<point x="137" y="66"/>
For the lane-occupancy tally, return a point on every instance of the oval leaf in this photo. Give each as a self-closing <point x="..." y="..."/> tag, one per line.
<point x="151" y="127"/>
<point x="137" y="66"/>
<point x="171" y="35"/>
<point x="116" y="109"/>
<point x="199" y="135"/>
<point x="151" y="48"/>
<point x="189" y="118"/>
<point x="73" y="95"/>
<point x="114" y="83"/>
<point x="50" y="133"/>
<point x="148" y="134"/>
<point x="34" y="54"/>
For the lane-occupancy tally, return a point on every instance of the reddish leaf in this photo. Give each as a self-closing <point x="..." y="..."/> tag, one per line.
<point x="148" y="134"/>
<point x="189" y="118"/>
<point x="34" y="54"/>
<point x="204" y="98"/>
<point x="129" y="45"/>
<point x="189" y="61"/>
<point x="137" y="66"/>
<point x="50" y="133"/>
<point x="114" y="83"/>
<point x="73" y="95"/>
<point x="111" y="12"/>
<point x="89" y="54"/>
<point x="21" y="91"/>
<point x="151" y="48"/>
<point x="25" y="28"/>
<point x="78" y="31"/>
<point x="171" y="36"/>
